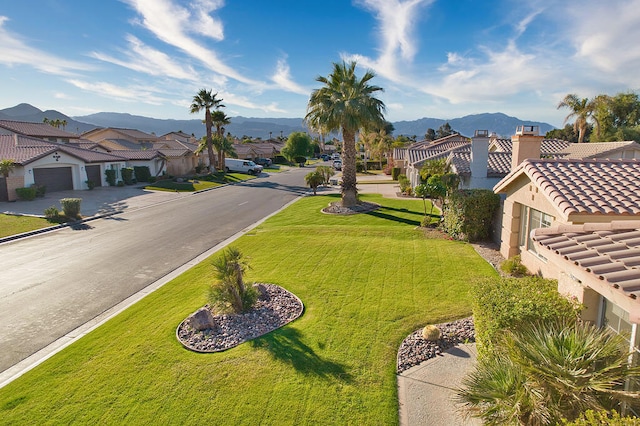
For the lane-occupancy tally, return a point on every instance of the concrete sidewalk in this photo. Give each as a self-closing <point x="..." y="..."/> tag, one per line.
<point x="426" y="392"/>
<point x="99" y="201"/>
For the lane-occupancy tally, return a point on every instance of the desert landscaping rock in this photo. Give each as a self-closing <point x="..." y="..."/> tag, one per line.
<point x="415" y="349"/>
<point x="361" y="207"/>
<point x="275" y="308"/>
<point x="201" y="320"/>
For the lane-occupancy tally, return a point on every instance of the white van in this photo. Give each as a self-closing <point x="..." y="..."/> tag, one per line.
<point x="241" y="166"/>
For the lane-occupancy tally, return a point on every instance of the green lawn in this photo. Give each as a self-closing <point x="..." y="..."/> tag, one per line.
<point x="12" y="225"/>
<point x="367" y="281"/>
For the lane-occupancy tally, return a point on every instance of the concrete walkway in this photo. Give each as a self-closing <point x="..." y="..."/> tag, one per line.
<point x="426" y="392"/>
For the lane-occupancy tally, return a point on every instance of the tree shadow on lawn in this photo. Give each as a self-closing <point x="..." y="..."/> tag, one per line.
<point x="286" y="345"/>
<point x="379" y="214"/>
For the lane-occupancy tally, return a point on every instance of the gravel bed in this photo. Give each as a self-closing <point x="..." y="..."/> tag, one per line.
<point x="275" y="308"/>
<point x="415" y="349"/>
<point x="361" y="207"/>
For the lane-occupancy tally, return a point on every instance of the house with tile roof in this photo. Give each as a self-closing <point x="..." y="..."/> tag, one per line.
<point x="57" y="166"/>
<point x="577" y="221"/>
<point x="178" y="154"/>
<point x="37" y="130"/>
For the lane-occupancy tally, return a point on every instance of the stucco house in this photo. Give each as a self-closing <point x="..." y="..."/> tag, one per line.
<point x="577" y="221"/>
<point x="58" y="166"/>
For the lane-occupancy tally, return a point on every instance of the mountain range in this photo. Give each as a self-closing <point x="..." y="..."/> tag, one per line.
<point x="264" y="128"/>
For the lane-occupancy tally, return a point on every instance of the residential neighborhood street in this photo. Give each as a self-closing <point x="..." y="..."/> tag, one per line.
<point x="55" y="282"/>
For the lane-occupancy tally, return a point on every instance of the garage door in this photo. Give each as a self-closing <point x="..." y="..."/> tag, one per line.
<point x="93" y="174"/>
<point x="54" y="178"/>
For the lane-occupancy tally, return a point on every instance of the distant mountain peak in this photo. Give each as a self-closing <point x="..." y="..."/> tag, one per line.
<point x="21" y="110"/>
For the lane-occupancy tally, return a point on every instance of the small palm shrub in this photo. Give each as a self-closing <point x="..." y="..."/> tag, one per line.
<point x="230" y="293"/>
<point x="431" y="333"/>
<point x="314" y="179"/>
<point x="513" y="266"/>
<point x="405" y="184"/>
<point x="110" y="176"/>
<point x="71" y="207"/>
<point x="547" y="372"/>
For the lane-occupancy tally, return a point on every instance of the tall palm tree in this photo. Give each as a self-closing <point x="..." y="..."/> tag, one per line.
<point x="206" y="101"/>
<point x="347" y="104"/>
<point x="582" y="109"/>
<point x="220" y="119"/>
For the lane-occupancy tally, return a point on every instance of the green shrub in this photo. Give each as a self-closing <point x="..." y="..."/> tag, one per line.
<point x="405" y="184"/>
<point x="468" y="213"/>
<point x="111" y="177"/>
<point x="152" y="179"/>
<point x="431" y="333"/>
<point x="509" y="303"/>
<point x="90" y="184"/>
<point x="230" y="293"/>
<point x="127" y="175"/>
<point x="120" y="183"/>
<point x="279" y="159"/>
<point x="359" y="166"/>
<point x="514" y="266"/>
<point x="143" y="174"/>
<point x="26" y="194"/>
<point x="395" y="173"/>
<point x="300" y="160"/>
<point x="71" y="207"/>
<point x="602" y="418"/>
<point x="51" y="213"/>
<point x="40" y="190"/>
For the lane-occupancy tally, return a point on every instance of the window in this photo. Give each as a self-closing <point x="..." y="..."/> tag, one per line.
<point x="531" y="219"/>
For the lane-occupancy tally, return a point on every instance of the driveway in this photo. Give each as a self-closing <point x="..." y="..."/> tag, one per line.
<point x="101" y="200"/>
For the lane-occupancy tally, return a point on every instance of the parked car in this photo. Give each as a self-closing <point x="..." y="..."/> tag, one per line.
<point x="337" y="164"/>
<point x="335" y="156"/>
<point x="325" y="157"/>
<point x="264" y="162"/>
<point x="242" y="166"/>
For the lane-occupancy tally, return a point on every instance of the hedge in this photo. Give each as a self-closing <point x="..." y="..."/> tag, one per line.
<point x="71" y="207"/>
<point x="468" y="214"/>
<point x="27" y="194"/>
<point x="142" y="173"/>
<point x="508" y="303"/>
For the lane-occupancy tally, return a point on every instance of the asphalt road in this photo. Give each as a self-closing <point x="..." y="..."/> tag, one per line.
<point x="53" y="283"/>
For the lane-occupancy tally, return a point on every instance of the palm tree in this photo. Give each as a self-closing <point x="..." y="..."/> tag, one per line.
<point x="204" y="100"/>
<point x="6" y="167"/>
<point x="220" y="119"/>
<point x="548" y="372"/>
<point x="582" y="109"/>
<point x="346" y="104"/>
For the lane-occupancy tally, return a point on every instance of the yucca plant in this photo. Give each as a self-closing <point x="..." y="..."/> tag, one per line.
<point x="548" y="372"/>
<point x="230" y="292"/>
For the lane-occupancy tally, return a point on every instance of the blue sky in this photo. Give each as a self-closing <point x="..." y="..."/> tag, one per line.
<point x="434" y="58"/>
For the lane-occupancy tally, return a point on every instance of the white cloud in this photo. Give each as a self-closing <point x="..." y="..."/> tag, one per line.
<point x="14" y="51"/>
<point x="282" y="78"/>
<point x="396" y="23"/>
<point x="145" y="59"/>
<point x="131" y="93"/>
<point x="172" y="23"/>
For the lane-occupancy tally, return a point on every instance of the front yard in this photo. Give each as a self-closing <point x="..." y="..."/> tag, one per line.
<point x="12" y="225"/>
<point x="367" y="281"/>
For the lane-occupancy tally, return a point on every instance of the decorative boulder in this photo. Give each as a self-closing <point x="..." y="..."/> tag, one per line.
<point x="431" y="333"/>
<point x="202" y="319"/>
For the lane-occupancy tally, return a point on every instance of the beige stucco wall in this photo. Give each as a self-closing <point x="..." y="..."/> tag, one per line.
<point x="14" y="181"/>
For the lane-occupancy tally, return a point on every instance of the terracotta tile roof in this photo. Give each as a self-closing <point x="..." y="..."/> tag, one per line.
<point x="128" y="133"/>
<point x="598" y="149"/>
<point x="608" y="251"/>
<point x="548" y="146"/>
<point x="137" y="154"/>
<point x="24" y="150"/>
<point x="116" y="144"/>
<point x="593" y="187"/>
<point x="39" y="130"/>
<point x="498" y="165"/>
<point x="173" y="152"/>
<point x="420" y="155"/>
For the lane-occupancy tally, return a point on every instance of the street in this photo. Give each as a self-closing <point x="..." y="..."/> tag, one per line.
<point x="55" y="282"/>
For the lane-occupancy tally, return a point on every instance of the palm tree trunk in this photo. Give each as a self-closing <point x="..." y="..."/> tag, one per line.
<point x="208" y="124"/>
<point x="349" y="190"/>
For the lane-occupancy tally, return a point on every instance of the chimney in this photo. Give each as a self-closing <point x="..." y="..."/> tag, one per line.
<point x="526" y="144"/>
<point x="479" y="154"/>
